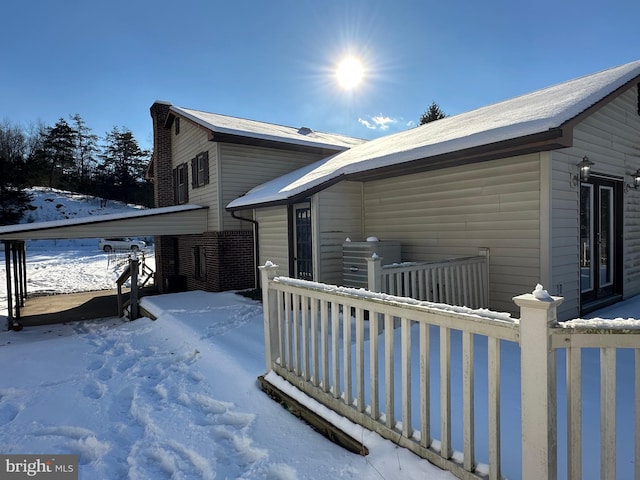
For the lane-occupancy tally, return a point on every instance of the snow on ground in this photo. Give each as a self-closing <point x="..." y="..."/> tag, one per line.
<point x="50" y="204"/>
<point x="171" y="398"/>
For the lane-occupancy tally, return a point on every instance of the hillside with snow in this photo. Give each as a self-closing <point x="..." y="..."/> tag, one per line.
<point x="50" y="204"/>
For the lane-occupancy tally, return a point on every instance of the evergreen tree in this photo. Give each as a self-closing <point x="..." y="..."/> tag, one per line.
<point x="57" y="153"/>
<point x="123" y="167"/>
<point x="14" y="200"/>
<point x="433" y="113"/>
<point x="85" y="152"/>
<point x="37" y="165"/>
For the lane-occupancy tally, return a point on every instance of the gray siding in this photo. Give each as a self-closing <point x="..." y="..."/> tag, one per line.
<point x="273" y="238"/>
<point x="609" y="138"/>
<point x="243" y="167"/>
<point x="454" y="212"/>
<point x="339" y="217"/>
<point x="185" y="146"/>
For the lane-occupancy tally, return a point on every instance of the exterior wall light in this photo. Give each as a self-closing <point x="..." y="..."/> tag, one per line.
<point x="584" y="170"/>
<point x="636" y="181"/>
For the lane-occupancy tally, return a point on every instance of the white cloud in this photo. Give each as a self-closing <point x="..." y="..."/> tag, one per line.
<point x="384" y="122"/>
<point x="378" y="122"/>
<point x="366" y="123"/>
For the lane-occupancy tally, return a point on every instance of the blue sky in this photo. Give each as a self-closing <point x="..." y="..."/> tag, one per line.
<point x="275" y="60"/>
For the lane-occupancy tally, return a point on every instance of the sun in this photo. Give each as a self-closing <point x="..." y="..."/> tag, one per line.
<point x="349" y="73"/>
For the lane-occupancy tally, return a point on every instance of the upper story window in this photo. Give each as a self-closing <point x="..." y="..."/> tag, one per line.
<point x="200" y="170"/>
<point x="181" y="184"/>
<point x="176" y="123"/>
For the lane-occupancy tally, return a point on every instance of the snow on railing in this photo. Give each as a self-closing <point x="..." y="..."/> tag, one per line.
<point x="457" y="281"/>
<point x="387" y="363"/>
<point x="615" y="344"/>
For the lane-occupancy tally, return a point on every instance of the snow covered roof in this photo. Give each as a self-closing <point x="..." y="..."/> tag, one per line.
<point x="241" y="127"/>
<point x="543" y="112"/>
<point x="184" y="219"/>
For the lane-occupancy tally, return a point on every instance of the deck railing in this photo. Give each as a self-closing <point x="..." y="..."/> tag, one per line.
<point x="320" y="339"/>
<point x="458" y="281"/>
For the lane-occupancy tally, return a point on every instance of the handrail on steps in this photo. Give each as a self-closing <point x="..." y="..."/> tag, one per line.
<point x="131" y="271"/>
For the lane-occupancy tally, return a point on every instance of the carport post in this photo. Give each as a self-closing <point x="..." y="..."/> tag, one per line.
<point x="7" y="262"/>
<point x="23" y="272"/>
<point x="16" y="279"/>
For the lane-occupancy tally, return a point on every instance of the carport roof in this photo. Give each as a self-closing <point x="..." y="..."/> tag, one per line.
<point x="175" y="220"/>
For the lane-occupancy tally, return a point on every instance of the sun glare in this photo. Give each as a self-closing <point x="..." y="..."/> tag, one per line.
<point x="349" y="73"/>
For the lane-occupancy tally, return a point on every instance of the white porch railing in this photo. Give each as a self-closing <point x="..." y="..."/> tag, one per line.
<point x="318" y="338"/>
<point x="459" y="281"/>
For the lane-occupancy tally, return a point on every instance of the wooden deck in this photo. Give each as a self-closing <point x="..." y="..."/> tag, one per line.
<point x="71" y="307"/>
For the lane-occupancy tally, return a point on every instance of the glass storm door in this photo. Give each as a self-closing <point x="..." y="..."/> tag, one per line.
<point x="598" y="250"/>
<point x="303" y="242"/>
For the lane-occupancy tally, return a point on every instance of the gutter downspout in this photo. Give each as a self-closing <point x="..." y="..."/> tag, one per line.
<point x="256" y="244"/>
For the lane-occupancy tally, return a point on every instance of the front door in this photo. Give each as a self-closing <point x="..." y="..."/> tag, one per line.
<point x="303" y="255"/>
<point x="600" y="234"/>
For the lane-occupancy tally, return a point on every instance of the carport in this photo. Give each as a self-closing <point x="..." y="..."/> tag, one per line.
<point x="175" y="220"/>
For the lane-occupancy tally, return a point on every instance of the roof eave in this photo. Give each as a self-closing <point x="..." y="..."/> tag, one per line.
<point x="324" y="150"/>
<point x="572" y="122"/>
<point x="216" y="135"/>
<point x="551" y="139"/>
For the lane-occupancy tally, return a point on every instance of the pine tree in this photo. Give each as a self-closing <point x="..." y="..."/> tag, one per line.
<point x="14" y="200"/>
<point x="85" y="151"/>
<point x="433" y="113"/>
<point x="58" y="152"/>
<point x="123" y="167"/>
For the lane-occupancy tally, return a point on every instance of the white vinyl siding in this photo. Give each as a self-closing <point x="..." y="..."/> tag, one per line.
<point x="456" y="211"/>
<point x="273" y="238"/>
<point x="340" y="216"/>
<point x="243" y="167"/>
<point x="610" y="138"/>
<point x="185" y="146"/>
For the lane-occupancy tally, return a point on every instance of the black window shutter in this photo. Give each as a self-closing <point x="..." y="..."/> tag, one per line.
<point x="186" y="182"/>
<point x="194" y="172"/>
<point x="176" y="196"/>
<point x="206" y="167"/>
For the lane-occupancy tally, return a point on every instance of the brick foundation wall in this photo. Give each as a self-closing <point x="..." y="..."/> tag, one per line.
<point x="165" y="264"/>
<point x="230" y="263"/>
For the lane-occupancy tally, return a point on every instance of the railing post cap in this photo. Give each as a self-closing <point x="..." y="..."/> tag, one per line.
<point x="528" y="300"/>
<point x="374" y="258"/>
<point x="268" y="266"/>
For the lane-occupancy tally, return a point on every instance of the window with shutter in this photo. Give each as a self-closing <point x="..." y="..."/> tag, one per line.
<point x="200" y="170"/>
<point x="181" y="185"/>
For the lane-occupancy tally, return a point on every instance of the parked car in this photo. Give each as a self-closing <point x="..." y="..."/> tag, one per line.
<point x="120" y="243"/>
